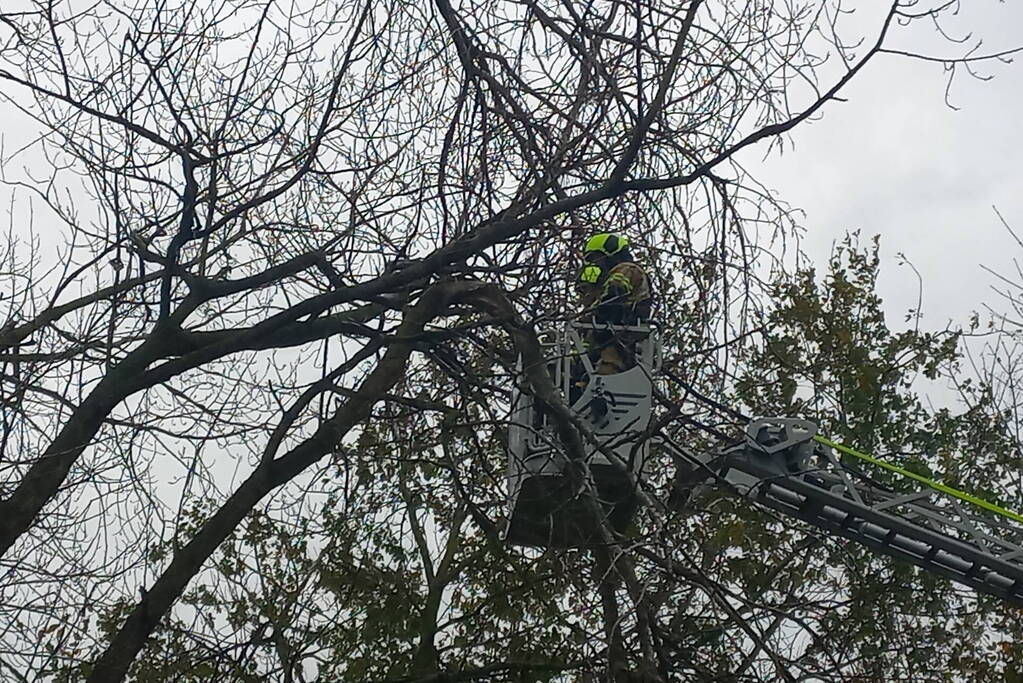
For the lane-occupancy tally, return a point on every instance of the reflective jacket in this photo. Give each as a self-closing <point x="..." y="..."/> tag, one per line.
<point x="623" y="292"/>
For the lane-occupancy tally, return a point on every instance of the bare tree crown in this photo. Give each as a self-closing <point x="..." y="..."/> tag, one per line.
<point x="269" y="268"/>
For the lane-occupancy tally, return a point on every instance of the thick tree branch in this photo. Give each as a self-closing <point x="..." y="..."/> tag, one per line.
<point x="131" y="637"/>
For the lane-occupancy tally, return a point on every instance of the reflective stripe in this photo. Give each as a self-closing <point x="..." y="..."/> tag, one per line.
<point x="621" y="280"/>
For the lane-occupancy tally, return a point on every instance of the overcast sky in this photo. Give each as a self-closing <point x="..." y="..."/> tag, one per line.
<point x="896" y="161"/>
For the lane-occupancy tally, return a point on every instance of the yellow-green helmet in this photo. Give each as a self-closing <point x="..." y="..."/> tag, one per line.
<point x="604" y="244"/>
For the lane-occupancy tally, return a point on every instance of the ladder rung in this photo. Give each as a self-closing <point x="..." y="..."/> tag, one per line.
<point x="974" y="570"/>
<point x="889" y="532"/>
<point x="849" y="521"/>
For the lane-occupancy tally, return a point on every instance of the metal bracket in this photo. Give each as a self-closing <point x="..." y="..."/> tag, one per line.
<point x="772" y="435"/>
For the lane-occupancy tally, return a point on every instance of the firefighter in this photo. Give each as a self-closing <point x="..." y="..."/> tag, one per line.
<point x="615" y="290"/>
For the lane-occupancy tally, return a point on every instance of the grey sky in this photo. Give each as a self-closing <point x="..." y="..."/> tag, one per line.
<point x="895" y="161"/>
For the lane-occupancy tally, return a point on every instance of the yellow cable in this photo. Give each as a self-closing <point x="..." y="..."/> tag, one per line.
<point x="961" y="495"/>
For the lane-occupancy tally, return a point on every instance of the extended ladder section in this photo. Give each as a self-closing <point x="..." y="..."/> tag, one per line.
<point x="781" y="466"/>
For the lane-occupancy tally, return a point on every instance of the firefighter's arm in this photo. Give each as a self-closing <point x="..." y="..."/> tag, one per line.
<point x="618" y="286"/>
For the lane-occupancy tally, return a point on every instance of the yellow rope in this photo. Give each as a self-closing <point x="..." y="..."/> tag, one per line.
<point x="961" y="495"/>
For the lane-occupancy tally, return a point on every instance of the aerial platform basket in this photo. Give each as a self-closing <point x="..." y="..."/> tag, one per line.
<point x="545" y="507"/>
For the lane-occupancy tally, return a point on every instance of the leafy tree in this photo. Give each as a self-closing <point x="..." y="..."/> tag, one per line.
<point x="258" y="344"/>
<point x="831" y="356"/>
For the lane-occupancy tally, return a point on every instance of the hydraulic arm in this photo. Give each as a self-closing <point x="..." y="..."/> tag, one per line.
<point x="782" y="464"/>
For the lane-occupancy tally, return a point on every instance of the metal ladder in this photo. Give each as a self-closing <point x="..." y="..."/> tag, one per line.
<point x="781" y="467"/>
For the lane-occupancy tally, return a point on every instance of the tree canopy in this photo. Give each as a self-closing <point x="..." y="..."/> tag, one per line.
<point x="270" y="267"/>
